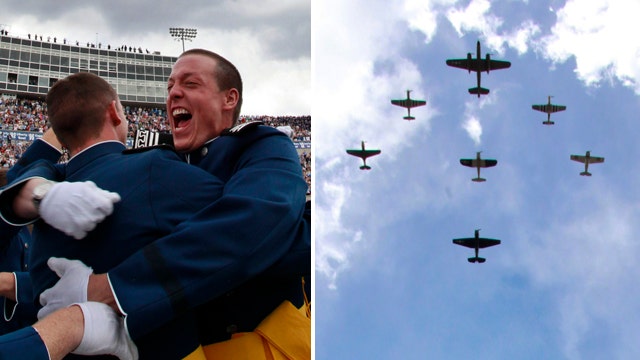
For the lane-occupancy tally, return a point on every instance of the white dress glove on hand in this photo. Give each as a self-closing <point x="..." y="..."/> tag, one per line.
<point x="75" y="208"/>
<point x="70" y="289"/>
<point x="104" y="333"/>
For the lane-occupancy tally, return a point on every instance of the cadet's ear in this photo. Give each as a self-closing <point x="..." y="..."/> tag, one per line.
<point x="114" y="114"/>
<point x="231" y="98"/>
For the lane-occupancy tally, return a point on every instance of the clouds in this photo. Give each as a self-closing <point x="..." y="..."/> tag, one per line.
<point x="332" y="255"/>
<point x="356" y="75"/>
<point x="587" y="260"/>
<point x="473" y="128"/>
<point x="477" y="17"/>
<point x="597" y="36"/>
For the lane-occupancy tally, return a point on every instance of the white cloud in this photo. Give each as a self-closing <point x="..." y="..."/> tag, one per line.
<point x="473" y="128"/>
<point x="328" y="257"/>
<point x="521" y="37"/>
<point x="475" y="17"/>
<point x="599" y="36"/>
<point x="423" y="15"/>
<point x="361" y="70"/>
<point x="333" y="250"/>
<point x="473" y="107"/>
<point x="587" y="259"/>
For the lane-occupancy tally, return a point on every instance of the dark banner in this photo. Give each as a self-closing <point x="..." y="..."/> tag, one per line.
<point x="143" y="138"/>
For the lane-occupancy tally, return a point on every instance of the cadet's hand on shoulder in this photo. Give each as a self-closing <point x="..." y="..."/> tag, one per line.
<point x="104" y="333"/>
<point x="70" y="289"/>
<point x="75" y="208"/>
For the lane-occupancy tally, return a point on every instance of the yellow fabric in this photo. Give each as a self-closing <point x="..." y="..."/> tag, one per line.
<point x="283" y="335"/>
<point x="287" y="330"/>
<point x="197" y="354"/>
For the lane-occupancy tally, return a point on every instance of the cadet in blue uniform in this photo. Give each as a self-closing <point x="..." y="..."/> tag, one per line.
<point x="25" y="344"/>
<point x="257" y="232"/>
<point x="158" y="191"/>
<point x="247" y="251"/>
<point x="252" y="228"/>
<point x="16" y="295"/>
<point x="18" y="306"/>
<point x="88" y="328"/>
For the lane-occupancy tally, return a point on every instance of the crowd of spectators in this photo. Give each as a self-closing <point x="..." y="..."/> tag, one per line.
<point x="29" y="115"/>
<point x="305" y="162"/>
<point x="23" y="115"/>
<point x="54" y="39"/>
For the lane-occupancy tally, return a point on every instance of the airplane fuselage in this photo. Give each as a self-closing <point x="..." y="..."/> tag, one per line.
<point x="478" y="57"/>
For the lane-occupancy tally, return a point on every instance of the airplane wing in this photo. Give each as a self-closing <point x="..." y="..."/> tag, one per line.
<point x="499" y="64"/>
<point x="596" y="160"/>
<point x="579" y="158"/>
<point x="409" y="103"/>
<point x="468" y="242"/>
<point x="461" y="63"/>
<point x="484" y="163"/>
<point x="471" y="242"/>
<point x="484" y="242"/>
<point x="478" y="65"/>
<point x="467" y="162"/>
<point x="363" y="153"/>
<point x="546" y="108"/>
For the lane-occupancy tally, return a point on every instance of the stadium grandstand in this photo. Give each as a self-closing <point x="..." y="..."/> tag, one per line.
<point x="29" y="67"/>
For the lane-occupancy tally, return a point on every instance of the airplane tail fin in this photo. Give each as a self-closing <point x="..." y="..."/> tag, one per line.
<point x="479" y="91"/>
<point x="585" y="173"/>
<point x="365" y="167"/>
<point x="409" y="118"/>
<point x="476" y="260"/>
<point x="478" y="179"/>
<point x="548" y="122"/>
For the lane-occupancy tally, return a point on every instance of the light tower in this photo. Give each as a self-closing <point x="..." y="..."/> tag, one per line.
<point x="183" y="34"/>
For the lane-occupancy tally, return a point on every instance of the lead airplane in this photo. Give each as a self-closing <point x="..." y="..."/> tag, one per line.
<point x="549" y="108"/>
<point x="479" y="163"/>
<point x="363" y="154"/>
<point x="478" y="65"/>
<point x="408" y="103"/>
<point x="476" y="243"/>
<point x="586" y="160"/>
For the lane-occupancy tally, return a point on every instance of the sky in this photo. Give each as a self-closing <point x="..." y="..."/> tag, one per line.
<point x="269" y="44"/>
<point x="389" y="283"/>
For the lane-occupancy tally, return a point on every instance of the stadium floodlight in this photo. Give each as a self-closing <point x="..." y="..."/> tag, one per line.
<point x="183" y="34"/>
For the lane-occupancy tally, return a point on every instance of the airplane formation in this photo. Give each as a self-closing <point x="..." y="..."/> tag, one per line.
<point x="478" y="65"/>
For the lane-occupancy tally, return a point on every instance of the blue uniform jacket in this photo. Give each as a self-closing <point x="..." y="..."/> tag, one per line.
<point x="24" y="344"/>
<point x="14" y="250"/>
<point x="158" y="191"/>
<point x="39" y="150"/>
<point x="13" y="259"/>
<point x="258" y="241"/>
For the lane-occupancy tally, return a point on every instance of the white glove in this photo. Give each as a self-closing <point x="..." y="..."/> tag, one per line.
<point x="287" y="130"/>
<point x="71" y="288"/>
<point x="104" y="333"/>
<point x="75" y="208"/>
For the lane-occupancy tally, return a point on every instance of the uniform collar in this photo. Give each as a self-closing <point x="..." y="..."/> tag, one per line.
<point x="194" y="157"/>
<point x="89" y="154"/>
